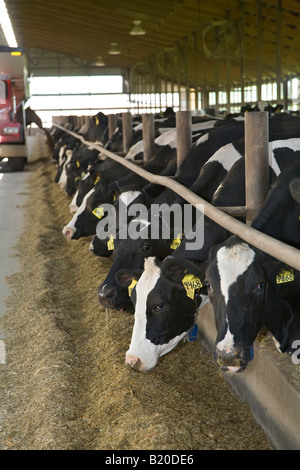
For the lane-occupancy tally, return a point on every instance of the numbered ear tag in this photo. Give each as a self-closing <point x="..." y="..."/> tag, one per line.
<point x="110" y="243"/>
<point x="285" y="276"/>
<point x="176" y="242"/>
<point x="98" y="212"/>
<point x="97" y="121"/>
<point x="191" y="283"/>
<point x="132" y="285"/>
<point x="96" y="180"/>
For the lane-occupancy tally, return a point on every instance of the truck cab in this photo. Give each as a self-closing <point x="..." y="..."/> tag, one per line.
<point x="12" y="116"/>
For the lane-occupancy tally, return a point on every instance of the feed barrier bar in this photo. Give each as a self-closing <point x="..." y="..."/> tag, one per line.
<point x="271" y="246"/>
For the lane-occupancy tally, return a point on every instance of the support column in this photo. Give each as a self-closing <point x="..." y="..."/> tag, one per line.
<point x="256" y="162"/>
<point x="127" y="131"/>
<point x="148" y="136"/>
<point x="112" y="124"/>
<point x="184" y="135"/>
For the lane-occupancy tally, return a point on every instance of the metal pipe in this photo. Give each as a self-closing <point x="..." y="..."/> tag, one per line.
<point x="256" y="162"/>
<point x="271" y="246"/>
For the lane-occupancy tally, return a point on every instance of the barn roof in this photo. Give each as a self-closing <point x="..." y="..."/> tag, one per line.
<point x="200" y="41"/>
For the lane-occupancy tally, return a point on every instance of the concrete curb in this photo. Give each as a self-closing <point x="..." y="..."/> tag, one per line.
<point x="270" y="385"/>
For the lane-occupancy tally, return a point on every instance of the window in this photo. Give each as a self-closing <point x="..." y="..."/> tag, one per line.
<point x="80" y="95"/>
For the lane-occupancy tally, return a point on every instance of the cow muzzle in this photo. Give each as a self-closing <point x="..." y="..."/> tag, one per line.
<point x="136" y="363"/>
<point x="234" y="360"/>
<point x="106" y="295"/>
<point x="68" y="232"/>
<point x="110" y="298"/>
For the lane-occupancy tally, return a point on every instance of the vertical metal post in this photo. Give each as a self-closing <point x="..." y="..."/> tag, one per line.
<point x="243" y="51"/>
<point x="256" y="162"/>
<point x="278" y="49"/>
<point x="127" y="131"/>
<point x="259" y="50"/>
<point x="184" y="135"/>
<point x="112" y="124"/>
<point x="148" y="136"/>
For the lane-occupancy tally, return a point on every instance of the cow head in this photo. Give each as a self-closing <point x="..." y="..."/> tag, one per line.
<point x="237" y="288"/>
<point x="165" y="309"/>
<point x="128" y="253"/>
<point x="249" y="289"/>
<point x="99" y="248"/>
<point x="85" y="220"/>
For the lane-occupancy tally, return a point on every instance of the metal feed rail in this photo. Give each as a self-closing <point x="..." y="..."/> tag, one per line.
<point x="271" y="246"/>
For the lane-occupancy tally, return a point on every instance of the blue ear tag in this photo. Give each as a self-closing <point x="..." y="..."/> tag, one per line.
<point x="193" y="333"/>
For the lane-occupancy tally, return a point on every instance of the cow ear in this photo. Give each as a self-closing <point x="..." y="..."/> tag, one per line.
<point x="124" y="277"/>
<point x="213" y="251"/>
<point x="176" y="269"/>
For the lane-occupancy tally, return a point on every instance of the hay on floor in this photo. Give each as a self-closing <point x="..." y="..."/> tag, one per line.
<point x="65" y="384"/>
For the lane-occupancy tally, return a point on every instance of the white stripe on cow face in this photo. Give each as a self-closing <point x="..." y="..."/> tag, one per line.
<point x="141" y="347"/>
<point x="227" y="343"/>
<point x="71" y="225"/>
<point x="142" y="352"/>
<point x="73" y="206"/>
<point x="63" y="177"/>
<point x="60" y="155"/>
<point x="232" y="262"/>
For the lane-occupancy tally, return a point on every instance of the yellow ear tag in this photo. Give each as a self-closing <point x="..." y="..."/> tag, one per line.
<point x="176" y="242"/>
<point x="110" y="243"/>
<point x="96" y="180"/>
<point x="98" y="212"/>
<point x="97" y="121"/>
<point x="77" y="164"/>
<point x="285" y="276"/>
<point x="191" y="283"/>
<point x="133" y="283"/>
<point x="114" y="198"/>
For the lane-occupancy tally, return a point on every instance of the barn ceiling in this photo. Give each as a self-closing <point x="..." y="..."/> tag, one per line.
<point x="198" y="41"/>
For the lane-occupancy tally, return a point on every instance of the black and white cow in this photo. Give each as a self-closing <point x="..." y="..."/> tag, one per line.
<point x="96" y="131"/>
<point x="158" y="321"/>
<point x="113" y="176"/>
<point x="169" y="281"/>
<point x="249" y="289"/>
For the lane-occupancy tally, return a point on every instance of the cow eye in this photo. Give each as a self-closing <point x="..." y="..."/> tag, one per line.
<point x="261" y="285"/>
<point x="146" y="247"/>
<point x="159" y="307"/>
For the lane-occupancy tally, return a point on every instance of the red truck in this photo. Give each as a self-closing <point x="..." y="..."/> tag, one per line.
<point x="12" y="115"/>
